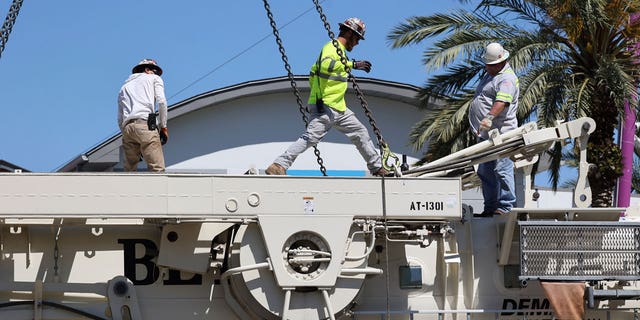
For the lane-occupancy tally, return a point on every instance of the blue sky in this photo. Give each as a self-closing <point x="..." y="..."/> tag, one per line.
<point x="66" y="60"/>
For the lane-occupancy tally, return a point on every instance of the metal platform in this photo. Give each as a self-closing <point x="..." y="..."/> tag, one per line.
<point x="29" y="196"/>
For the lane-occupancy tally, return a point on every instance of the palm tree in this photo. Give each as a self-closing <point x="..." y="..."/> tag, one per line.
<point x="572" y="58"/>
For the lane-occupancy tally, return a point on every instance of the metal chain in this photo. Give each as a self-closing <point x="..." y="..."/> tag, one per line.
<point x="8" y="23"/>
<point x="294" y="85"/>
<point x="384" y="147"/>
<point x="56" y="253"/>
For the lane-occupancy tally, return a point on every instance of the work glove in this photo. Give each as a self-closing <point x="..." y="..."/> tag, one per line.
<point x="164" y="135"/>
<point x="486" y="123"/>
<point x="362" y="65"/>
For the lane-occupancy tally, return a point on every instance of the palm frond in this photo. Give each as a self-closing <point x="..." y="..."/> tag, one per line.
<point x="620" y="84"/>
<point x="556" y="161"/>
<point x="456" y="78"/>
<point x="415" y="29"/>
<point x="443" y="123"/>
<point x="524" y="10"/>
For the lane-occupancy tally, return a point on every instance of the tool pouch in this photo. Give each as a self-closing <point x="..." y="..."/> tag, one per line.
<point x="151" y="121"/>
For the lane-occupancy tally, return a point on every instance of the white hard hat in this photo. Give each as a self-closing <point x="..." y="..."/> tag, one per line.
<point x="356" y="25"/>
<point x="495" y="53"/>
<point x="147" y="63"/>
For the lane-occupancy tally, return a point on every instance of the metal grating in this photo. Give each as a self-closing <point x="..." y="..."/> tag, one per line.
<point x="579" y="250"/>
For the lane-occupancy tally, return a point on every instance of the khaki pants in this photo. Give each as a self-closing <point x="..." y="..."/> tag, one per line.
<point x="138" y="139"/>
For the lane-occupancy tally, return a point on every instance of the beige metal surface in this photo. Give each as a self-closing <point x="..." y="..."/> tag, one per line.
<point x="86" y="195"/>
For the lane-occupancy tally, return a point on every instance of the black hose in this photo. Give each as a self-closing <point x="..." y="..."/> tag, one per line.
<point x="52" y="304"/>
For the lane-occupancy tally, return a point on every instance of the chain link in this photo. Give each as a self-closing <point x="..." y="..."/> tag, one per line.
<point x="294" y="85"/>
<point x="384" y="147"/>
<point x="56" y="253"/>
<point x="9" y="21"/>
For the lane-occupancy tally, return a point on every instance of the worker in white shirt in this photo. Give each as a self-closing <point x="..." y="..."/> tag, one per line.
<point x="137" y="117"/>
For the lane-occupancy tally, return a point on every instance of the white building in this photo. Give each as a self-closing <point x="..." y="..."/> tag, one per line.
<point x="233" y="129"/>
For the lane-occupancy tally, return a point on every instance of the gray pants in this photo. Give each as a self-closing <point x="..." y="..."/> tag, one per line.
<point x="320" y="123"/>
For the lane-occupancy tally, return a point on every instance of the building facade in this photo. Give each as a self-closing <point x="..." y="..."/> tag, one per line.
<point x="236" y="128"/>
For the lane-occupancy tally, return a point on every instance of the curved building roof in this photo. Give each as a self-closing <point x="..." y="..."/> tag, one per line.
<point x="256" y="120"/>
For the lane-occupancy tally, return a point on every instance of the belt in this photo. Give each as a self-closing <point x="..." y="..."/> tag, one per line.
<point x="134" y="120"/>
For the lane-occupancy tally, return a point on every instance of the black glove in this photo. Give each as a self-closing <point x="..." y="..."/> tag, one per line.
<point x="164" y="135"/>
<point x="362" y="65"/>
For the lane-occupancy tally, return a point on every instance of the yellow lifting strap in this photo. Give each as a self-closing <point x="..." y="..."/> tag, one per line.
<point x="387" y="154"/>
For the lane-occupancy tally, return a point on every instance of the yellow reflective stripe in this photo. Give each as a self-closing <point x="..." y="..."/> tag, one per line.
<point x="329" y="77"/>
<point x="333" y="77"/>
<point x="502" y="96"/>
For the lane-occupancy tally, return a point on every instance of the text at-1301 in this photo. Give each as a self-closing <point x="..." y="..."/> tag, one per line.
<point x="426" y="205"/>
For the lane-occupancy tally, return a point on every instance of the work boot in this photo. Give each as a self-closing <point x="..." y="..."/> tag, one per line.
<point x="382" y="172"/>
<point x="276" y="170"/>
<point x="486" y="214"/>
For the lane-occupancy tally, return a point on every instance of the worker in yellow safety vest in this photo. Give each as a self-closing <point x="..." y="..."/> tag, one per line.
<point x="328" y="81"/>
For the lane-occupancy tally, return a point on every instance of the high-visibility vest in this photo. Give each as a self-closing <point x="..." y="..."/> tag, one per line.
<point x="330" y="82"/>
